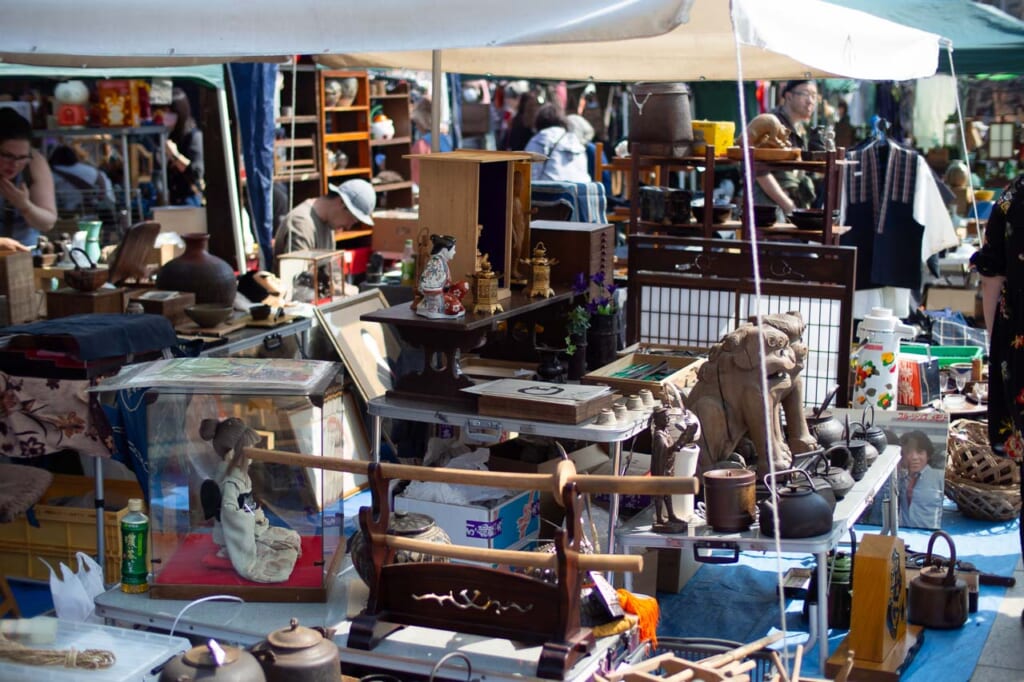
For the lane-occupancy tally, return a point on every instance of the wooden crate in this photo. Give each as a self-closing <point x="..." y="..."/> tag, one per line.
<point x="64" y="530"/>
<point x="67" y="301"/>
<point x="157" y="302"/>
<point x="683" y="376"/>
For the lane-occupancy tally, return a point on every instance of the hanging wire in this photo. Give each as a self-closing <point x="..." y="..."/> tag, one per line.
<point x="748" y="199"/>
<point x="963" y="138"/>
<point x="212" y="597"/>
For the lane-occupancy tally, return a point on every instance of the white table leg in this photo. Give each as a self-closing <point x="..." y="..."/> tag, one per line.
<point x="375" y="431"/>
<point x="822" y="558"/>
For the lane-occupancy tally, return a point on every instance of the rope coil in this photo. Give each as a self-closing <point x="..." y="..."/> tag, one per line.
<point x="89" y="659"/>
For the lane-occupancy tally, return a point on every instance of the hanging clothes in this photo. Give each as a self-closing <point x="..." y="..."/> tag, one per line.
<point x="894" y="209"/>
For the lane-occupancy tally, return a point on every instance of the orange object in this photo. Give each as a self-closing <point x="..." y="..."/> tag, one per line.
<point x="646" y="608"/>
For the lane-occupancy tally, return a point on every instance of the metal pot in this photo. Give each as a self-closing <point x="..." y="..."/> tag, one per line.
<point x="837" y="460"/>
<point x="729" y="499"/>
<point x="937" y="598"/>
<point x="822" y="423"/>
<point x="213" y="662"/>
<point x="803" y="513"/>
<point x="866" y="430"/>
<point x="818" y="477"/>
<point x="299" y="654"/>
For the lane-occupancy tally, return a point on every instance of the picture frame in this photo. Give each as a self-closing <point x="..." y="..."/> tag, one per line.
<point x="922" y="438"/>
<point x="368" y="350"/>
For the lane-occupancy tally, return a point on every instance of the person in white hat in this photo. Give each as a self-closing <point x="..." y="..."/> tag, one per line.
<point x="313" y="223"/>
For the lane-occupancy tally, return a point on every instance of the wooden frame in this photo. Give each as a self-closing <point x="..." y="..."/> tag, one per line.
<point x="362" y="346"/>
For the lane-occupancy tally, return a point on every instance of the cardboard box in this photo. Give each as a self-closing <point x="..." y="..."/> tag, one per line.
<point x="646" y="581"/>
<point x="967" y="301"/>
<point x="719" y="133"/>
<point x="392" y="227"/>
<point x="918" y="380"/>
<point x="180" y="219"/>
<point x="639" y="465"/>
<point x="510" y="521"/>
<point x="682" y="372"/>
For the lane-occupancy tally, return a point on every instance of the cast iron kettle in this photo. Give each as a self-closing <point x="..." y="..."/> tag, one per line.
<point x="818" y="478"/>
<point x="213" y="662"/>
<point x="803" y="513"/>
<point x="938" y="598"/>
<point x="874" y="435"/>
<point x="299" y="654"/>
<point x="835" y="470"/>
<point x="822" y="423"/>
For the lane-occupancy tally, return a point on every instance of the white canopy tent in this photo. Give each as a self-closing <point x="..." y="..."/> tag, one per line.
<point x="626" y="40"/>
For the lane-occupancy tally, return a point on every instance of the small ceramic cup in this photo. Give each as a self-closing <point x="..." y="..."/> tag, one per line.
<point x="646" y="397"/>
<point x="634" y="402"/>
<point x="606" y="417"/>
<point x="620" y="411"/>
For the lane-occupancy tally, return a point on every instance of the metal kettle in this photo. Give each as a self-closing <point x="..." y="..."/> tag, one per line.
<point x="803" y="513"/>
<point x="299" y="654"/>
<point x="938" y="598"/>
<point x="213" y="662"/>
<point x="837" y="469"/>
<point x="822" y="424"/>
<point x="874" y="435"/>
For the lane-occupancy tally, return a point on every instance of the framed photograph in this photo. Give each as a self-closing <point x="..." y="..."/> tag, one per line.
<point x="368" y="349"/>
<point x="921" y="472"/>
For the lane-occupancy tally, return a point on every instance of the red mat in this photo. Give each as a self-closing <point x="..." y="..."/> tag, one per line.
<point x="196" y="563"/>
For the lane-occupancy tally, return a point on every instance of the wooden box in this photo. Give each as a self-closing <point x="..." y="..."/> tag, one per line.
<point x="67" y="301"/>
<point x="579" y="247"/>
<point x="392" y="227"/>
<point x="878" y="621"/>
<point x="560" y="403"/>
<point x="170" y="304"/>
<point x="17" y="283"/>
<point x="467" y="193"/>
<point x="682" y="372"/>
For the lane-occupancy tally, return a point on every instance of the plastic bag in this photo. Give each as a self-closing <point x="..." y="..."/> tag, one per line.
<point x="73" y="593"/>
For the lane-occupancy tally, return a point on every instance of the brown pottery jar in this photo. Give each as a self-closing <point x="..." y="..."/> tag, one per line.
<point x="210" y="278"/>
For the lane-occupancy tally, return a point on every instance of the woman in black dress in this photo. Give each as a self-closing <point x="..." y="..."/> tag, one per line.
<point x="185" y="167"/>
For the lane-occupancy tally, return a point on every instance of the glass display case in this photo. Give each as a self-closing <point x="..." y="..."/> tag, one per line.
<point x="315" y="276"/>
<point x="220" y="523"/>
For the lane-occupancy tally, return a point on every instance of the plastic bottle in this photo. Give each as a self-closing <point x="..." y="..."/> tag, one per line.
<point x="408" y="264"/>
<point x="134" y="548"/>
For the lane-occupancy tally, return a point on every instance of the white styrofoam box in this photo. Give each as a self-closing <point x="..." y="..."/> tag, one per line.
<point x="137" y="653"/>
<point x="507" y="522"/>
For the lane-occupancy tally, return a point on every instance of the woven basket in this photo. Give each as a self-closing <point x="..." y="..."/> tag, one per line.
<point x="981" y="501"/>
<point x="971" y="457"/>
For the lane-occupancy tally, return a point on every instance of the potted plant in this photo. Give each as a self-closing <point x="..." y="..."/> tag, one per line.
<point x="595" y="296"/>
<point x="576" y="325"/>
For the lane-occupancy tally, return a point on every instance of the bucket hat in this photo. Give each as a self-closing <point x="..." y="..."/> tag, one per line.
<point x="359" y="197"/>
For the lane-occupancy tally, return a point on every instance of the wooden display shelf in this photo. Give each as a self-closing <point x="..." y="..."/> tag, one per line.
<point x="390" y="142"/>
<point x="347" y="235"/>
<point x="359" y="136"/>
<point x="392" y="186"/>
<point x="393" y="95"/>
<point x="348" y="171"/>
<point x="354" y="107"/>
<point x="297" y="142"/>
<point x="285" y="120"/>
<point x="297" y="176"/>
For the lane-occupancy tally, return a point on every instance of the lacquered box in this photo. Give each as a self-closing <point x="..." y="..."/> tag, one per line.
<point x="221" y="522"/>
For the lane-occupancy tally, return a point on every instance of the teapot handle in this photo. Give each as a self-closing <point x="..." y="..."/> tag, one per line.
<point x="847" y="460"/>
<point x="950" y="578"/>
<point x="769" y="479"/>
<point x="71" y="255"/>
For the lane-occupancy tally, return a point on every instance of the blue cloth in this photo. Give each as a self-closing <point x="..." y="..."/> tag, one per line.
<point x="105" y="335"/>
<point x="586" y="200"/>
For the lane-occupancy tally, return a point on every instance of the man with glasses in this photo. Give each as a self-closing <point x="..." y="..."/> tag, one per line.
<point x="27" y="200"/>
<point x="790" y="190"/>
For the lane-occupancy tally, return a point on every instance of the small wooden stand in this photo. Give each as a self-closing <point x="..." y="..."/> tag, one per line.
<point x="68" y="301"/>
<point x="882" y="643"/>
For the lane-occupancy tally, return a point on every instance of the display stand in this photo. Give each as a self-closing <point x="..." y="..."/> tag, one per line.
<point x="637" y="534"/>
<point x="442" y="341"/>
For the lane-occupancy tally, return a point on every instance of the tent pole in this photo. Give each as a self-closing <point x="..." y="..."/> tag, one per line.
<point x="435" y="101"/>
<point x="229" y="166"/>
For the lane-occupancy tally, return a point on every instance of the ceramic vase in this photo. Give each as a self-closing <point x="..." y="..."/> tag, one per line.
<point x="602" y="339"/>
<point x="404" y="524"/>
<point x="197" y="270"/>
<point x="92" y="238"/>
<point x="578" y="360"/>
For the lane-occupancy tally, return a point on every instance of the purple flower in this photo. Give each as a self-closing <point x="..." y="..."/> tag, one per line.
<point x="598" y="278"/>
<point x="612" y="289"/>
<point x="580" y="284"/>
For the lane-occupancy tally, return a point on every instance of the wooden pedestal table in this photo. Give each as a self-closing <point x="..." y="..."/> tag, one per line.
<point x="443" y="341"/>
<point x="477" y="599"/>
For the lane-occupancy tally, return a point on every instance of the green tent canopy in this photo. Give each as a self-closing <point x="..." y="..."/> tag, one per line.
<point x="985" y="39"/>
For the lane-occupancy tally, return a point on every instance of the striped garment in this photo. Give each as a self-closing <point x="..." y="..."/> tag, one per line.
<point x="898" y="182"/>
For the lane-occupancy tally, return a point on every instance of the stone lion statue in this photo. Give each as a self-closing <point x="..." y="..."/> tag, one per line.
<point x="729" y="402"/>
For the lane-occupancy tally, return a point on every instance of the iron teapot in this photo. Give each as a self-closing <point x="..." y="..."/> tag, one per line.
<point x="874" y="435"/>
<point x="837" y="469"/>
<point x="818" y="479"/>
<point x="212" y="662"/>
<point x="803" y="513"/>
<point x="823" y="425"/>
<point x="299" y="654"/>
<point x="938" y="598"/>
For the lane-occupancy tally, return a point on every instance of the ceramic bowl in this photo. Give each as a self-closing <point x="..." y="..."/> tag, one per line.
<point x="810" y="218"/>
<point x="984" y="194"/>
<point x="720" y="213"/>
<point x="260" y="312"/>
<point x="208" y="315"/>
<point x="764" y="215"/>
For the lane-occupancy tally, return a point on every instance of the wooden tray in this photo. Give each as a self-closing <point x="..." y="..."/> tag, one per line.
<point x="222" y="329"/>
<point x="503" y="406"/>
<point x="789" y="154"/>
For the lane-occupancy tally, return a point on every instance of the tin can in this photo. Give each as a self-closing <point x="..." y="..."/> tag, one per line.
<point x="134" y="549"/>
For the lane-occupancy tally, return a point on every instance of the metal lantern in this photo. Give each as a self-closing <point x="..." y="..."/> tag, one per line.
<point x="485" y="288"/>
<point x="540" y="272"/>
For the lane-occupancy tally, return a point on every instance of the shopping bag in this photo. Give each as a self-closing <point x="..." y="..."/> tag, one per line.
<point x="70" y="599"/>
<point x="90" y="574"/>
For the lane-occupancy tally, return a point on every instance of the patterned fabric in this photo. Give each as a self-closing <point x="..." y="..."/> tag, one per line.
<point x="586" y="200"/>
<point x="1003" y="256"/>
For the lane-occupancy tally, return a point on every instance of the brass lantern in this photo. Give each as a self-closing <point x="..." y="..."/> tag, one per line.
<point x="540" y="272"/>
<point x="485" y="288"/>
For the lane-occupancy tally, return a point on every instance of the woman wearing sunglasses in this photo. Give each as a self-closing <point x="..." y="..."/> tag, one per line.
<point x="27" y="202"/>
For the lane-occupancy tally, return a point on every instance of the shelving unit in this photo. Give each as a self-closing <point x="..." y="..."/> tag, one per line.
<point x="345" y="129"/>
<point x="297" y="161"/>
<point x="830" y="167"/>
<point x="395" y="151"/>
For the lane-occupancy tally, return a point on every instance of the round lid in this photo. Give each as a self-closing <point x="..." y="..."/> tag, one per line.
<point x="879" y="320"/>
<point x="211" y="655"/>
<point x="741" y="475"/>
<point x="134" y="504"/>
<point x="295" y="636"/>
<point x="409" y="523"/>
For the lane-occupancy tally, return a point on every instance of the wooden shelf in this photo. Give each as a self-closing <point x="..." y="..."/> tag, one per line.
<point x="392" y="186"/>
<point x="391" y="142"/>
<point x="348" y="171"/>
<point x="396" y="95"/>
<point x="301" y="176"/>
<point x="347" y="137"/>
<point x="285" y="120"/>
<point x="343" y="109"/>
<point x="297" y="142"/>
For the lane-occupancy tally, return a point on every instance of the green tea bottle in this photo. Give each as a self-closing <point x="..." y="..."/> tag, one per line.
<point x="134" y="541"/>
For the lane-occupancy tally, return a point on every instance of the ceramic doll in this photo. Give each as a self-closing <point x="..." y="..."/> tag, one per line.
<point x="440" y="298"/>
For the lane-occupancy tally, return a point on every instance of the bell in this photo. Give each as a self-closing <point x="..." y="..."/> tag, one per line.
<point x="540" y="272"/>
<point x="485" y="288"/>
